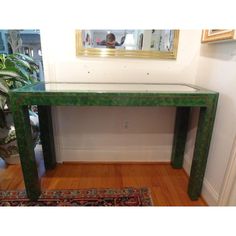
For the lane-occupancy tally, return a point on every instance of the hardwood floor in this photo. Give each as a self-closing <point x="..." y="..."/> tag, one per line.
<point x="168" y="186"/>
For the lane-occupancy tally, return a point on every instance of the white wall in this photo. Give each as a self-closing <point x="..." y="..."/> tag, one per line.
<point x="62" y="64"/>
<point x="117" y="134"/>
<point x="217" y="71"/>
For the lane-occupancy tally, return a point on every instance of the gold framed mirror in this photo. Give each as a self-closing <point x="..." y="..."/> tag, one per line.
<point x="154" y="44"/>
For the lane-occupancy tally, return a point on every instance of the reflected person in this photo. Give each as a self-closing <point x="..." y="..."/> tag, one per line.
<point x="110" y="41"/>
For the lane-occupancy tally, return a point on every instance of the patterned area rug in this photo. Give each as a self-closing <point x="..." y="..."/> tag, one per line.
<point x="83" y="197"/>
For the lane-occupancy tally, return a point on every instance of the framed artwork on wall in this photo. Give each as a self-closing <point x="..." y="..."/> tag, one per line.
<point x="218" y="35"/>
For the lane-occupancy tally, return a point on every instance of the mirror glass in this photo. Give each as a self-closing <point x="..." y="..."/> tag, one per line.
<point x="130" y="43"/>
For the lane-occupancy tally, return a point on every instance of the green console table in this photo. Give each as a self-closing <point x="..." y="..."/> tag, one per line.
<point x="45" y="95"/>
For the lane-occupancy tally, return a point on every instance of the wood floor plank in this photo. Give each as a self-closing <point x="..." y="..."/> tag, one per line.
<point x="168" y="186"/>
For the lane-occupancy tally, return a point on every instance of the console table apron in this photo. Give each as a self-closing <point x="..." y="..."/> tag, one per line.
<point x="45" y="95"/>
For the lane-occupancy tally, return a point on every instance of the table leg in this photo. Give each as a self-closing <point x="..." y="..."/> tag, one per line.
<point x="46" y="136"/>
<point x="202" y="145"/>
<point x="180" y="135"/>
<point x="26" y="151"/>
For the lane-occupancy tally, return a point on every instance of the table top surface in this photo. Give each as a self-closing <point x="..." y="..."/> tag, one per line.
<point x="65" y="87"/>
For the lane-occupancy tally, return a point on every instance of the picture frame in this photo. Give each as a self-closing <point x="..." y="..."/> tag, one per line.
<point x="217" y="35"/>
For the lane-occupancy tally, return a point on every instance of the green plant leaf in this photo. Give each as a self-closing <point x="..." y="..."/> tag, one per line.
<point x="24" y="73"/>
<point x="33" y="79"/>
<point x="17" y="70"/>
<point x="21" y="62"/>
<point x="21" y="71"/>
<point x="23" y="82"/>
<point x="34" y="68"/>
<point x="23" y="68"/>
<point x="2" y="61"/>
<point x="24" y="57"/>
<point x="8" y="73"/>
<point x="3" y="86"/>
<point x="3" y="100"/>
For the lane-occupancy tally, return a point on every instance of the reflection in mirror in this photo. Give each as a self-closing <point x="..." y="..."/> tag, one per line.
<point x="160" y="40"/>
<point x="131" y="43"/>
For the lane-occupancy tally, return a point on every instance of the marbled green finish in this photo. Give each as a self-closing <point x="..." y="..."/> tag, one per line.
<point x="181" y="130"/>
<point x="202" y="145"/>
<point x="36" y="95"/>
<point x="25" y="146"/>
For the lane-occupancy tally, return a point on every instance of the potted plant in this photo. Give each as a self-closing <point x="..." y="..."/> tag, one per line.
<point x="16" y="70"/>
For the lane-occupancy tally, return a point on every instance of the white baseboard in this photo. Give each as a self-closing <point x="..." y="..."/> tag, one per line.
<point x="209" y="194"/>
<point x="161" y="154"/>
